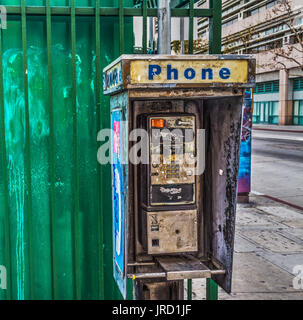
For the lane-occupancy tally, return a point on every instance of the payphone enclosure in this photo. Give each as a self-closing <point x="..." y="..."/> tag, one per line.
<point x="178" y="222"/>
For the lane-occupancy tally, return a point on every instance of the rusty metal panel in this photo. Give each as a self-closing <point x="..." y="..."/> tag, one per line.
<point x="172" y="231"/>
<point x="223" y="126"/>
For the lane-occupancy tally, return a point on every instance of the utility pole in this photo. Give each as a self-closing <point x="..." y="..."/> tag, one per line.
<point x="164" y="27"/>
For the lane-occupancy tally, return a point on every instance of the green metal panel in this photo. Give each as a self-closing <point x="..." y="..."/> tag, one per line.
<point x="98" y="121"/>
<point x="144" y="40"/>
<point x="55" y="217"/>
<point x="215" y="27"/>
<point x="5" y="250"/>
<point x="108" y="11"/>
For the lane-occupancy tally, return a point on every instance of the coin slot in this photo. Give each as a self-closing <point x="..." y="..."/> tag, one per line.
<point x="155" y="228"/>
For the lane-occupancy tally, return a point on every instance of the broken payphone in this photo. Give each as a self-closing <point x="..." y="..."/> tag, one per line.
<point x="174" y="210"/>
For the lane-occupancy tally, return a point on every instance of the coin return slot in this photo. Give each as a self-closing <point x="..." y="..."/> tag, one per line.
<point x="155" y="243"/>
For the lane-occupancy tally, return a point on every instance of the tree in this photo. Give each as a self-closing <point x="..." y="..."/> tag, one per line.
<point x="237" y="40"/>
<point x="291" y="52"/>
<point x="199" y="45"/>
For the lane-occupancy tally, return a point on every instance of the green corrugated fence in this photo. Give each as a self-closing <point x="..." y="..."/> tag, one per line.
<point x="55" y="212"/>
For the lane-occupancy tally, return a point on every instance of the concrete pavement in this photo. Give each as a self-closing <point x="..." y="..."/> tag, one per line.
<point x="268" y="244"/>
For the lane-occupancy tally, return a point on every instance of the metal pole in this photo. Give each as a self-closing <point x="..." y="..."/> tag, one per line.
<point x="164" y="26"/>
<point x="182" y="51"/>
<point x="151" y="33"/>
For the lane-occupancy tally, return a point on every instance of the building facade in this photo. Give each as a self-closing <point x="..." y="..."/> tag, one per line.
<point x="272" y="31"/>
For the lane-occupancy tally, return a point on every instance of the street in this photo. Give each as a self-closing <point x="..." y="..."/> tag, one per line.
<point x="277" y="165"/>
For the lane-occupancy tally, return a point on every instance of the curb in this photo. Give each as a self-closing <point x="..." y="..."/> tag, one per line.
<point x="283" y="202"/>
<point x="278" y="130"/>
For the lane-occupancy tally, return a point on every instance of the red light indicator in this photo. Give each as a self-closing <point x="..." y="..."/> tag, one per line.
<point x="158" y="123"/>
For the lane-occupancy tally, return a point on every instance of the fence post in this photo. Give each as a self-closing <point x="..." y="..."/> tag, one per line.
<point x="215" y="27"/>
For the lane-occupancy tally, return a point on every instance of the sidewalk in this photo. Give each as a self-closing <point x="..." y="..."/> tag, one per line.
<point x="269" y="243"/>
<point x="277" y="128"/>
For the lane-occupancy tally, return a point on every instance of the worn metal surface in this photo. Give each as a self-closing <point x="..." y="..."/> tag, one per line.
<point x="171" y="232"/>
<point x="193" y="93"/>
<point x="183" y="267"/>
<point x="223" y="126"/>
<point x="172" y="169"/>
<point x="142" y="108"/>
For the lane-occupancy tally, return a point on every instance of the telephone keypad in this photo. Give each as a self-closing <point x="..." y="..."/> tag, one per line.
<point x="171" y="147"/>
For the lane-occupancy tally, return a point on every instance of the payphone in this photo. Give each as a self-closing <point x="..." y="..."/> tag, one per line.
<point x="168" y="208"/>
<point x="174" y="210"/>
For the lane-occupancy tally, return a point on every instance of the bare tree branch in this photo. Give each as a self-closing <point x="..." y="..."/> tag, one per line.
<point x="286" y="53"/>
<point x="289" y="58"/>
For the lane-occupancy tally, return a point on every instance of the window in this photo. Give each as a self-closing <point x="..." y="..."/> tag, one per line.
<point x="255" y="11"/>
<point x="266" y="112"/>
<point x="228" y="23"/>
<point x="293" y="39"/>
<point x="298" y="84"/>
<point x="251" y="12"/>
<point x="298" y="113"/>
<point x="267" y="87"/>
<point x="271" y="4"/>
<point x="202" y="34"/>
<point x="246" y="14"/>
<point x="274" y="29"/>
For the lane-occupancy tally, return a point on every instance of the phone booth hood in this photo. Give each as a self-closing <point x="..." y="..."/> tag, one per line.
<point x="211" y="89"/>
